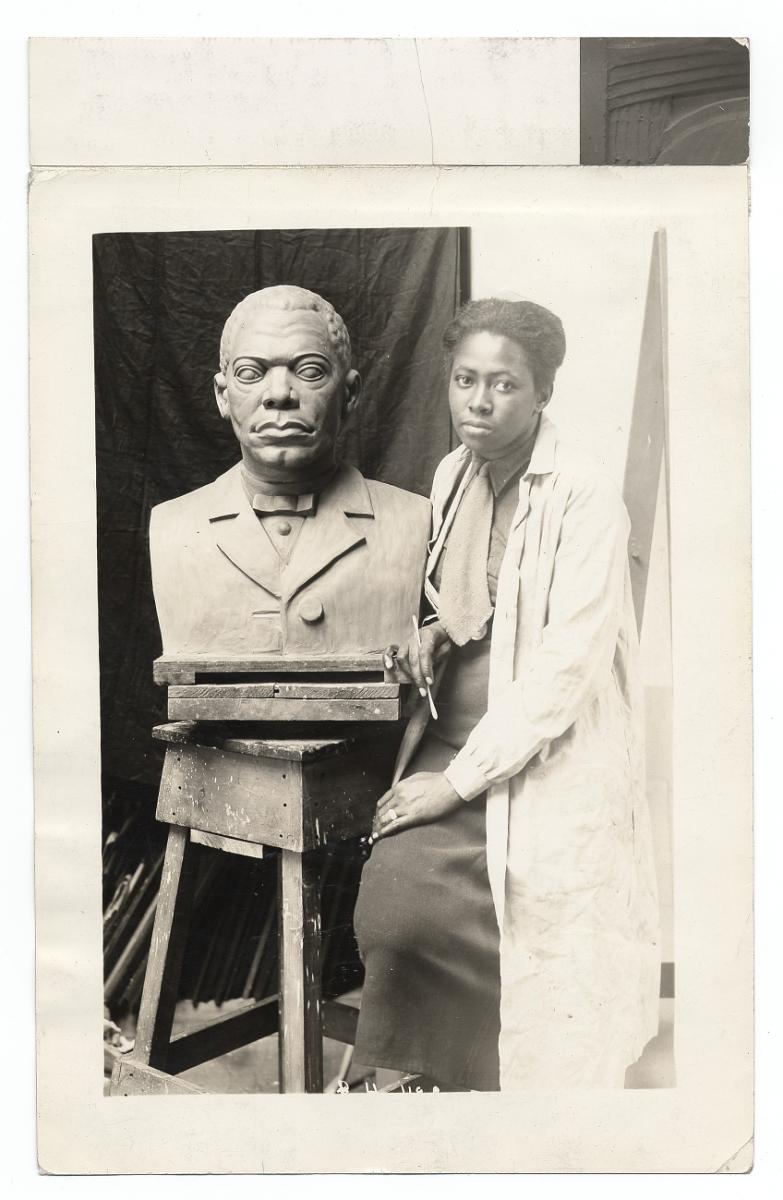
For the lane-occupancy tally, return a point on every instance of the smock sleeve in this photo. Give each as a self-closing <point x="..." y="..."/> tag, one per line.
<point x="575" y="655"/>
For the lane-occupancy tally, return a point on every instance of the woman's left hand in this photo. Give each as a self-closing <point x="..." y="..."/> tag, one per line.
<point x="416" y="800"/>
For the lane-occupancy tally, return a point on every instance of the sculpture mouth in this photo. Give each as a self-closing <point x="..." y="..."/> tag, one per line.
<point x="274" y="429"/>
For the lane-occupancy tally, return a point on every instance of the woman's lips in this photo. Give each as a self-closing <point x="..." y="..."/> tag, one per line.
<point x="476" y="427"/>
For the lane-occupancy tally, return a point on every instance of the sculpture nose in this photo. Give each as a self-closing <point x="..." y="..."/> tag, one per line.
<point x="279" y="391"/>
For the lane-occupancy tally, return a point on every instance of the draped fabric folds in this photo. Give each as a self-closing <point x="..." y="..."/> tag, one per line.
<point x="160" y="301"/>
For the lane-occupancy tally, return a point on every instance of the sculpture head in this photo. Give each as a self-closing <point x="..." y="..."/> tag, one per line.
<point x="285" y="382"/>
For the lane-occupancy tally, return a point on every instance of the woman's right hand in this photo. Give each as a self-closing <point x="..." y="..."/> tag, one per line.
<point x="416" y="663"/>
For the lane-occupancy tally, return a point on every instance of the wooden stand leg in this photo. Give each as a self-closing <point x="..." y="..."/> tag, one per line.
<point x="156" y="1014"/>
<point x="300" y="1038"/>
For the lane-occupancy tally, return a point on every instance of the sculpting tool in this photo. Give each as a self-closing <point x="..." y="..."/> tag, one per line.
<point x="433" y="709"/>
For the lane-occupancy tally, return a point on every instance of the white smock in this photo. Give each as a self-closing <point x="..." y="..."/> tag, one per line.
<point x="561" y="753"/>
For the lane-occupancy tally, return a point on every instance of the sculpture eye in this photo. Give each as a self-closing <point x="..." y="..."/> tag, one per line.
<point x="311" y="372"/>
<point x="248" y="373"/>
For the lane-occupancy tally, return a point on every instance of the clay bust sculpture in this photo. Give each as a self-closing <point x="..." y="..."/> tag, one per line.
<point x="288" y="552"/>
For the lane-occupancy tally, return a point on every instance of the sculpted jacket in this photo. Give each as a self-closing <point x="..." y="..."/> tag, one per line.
<point x="561" y="753"/>
<point x="351" y="584"/>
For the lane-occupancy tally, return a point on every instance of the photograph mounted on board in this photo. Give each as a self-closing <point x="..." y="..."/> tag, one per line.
<point x="385" y="658"/>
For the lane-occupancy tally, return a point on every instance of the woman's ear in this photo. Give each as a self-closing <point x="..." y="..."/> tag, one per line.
<point x="353" y="388"/>
<point x="544" y="396"/>
<point x="221" y="397"/>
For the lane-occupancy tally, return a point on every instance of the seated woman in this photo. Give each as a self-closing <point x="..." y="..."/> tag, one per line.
<point x="507" y="917"/>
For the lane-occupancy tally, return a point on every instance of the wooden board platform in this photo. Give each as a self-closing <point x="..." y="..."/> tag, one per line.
<point x="284" y="701"/>
<point x="182" y="670"/>
<point x="271" y="745"/>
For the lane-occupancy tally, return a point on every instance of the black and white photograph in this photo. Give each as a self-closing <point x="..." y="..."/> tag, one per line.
<point x="346" y="700"/>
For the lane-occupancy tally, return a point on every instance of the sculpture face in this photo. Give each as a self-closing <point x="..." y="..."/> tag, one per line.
<point x="492" y="394"/>
<point x="285" y="393"/>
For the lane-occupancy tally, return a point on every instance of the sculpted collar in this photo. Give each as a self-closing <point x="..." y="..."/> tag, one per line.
<point x="254" y="485"/>
<point x="347" y="491"/>
<point x="321" y="541"/>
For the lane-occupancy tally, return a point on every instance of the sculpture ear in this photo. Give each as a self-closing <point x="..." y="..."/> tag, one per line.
<point x="221" y="397"/>
<point x="353" y="388"/>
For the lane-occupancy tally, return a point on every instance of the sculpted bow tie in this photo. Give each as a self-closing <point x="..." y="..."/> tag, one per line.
<point x="300" y="506"/>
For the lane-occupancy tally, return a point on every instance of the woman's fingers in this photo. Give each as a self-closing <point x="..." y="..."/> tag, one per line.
<point x="392" y="822"/>
<point x="404" y="664"/>
<point x="385" y="803"/>
<point x="425" y="661"/>
<point x="434" y="646"/>
<point x="432" y="652"/>
<point x="409" y="658"/>
<point x="395" y="659"/>
<point x="388" y="810"/>
<point x="384" y="800"/>
<point x="414" y="662"/>
<point x="382" y="809"/>
<point x="390" y="657"/>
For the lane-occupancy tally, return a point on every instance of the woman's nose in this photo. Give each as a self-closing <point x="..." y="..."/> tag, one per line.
<point x="279" y="391"/>
<point x="480" y="400"/>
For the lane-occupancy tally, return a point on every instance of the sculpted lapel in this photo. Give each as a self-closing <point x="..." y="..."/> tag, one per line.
<point x="241" y="538"/>
<point x="343" y="509"/>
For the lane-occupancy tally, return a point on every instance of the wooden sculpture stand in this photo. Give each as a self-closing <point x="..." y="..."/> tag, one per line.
<point x="276" y="688"/>
<point x="239" y="794"/>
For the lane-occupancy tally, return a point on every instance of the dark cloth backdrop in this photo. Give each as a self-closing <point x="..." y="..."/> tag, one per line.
<point x="160" y="302"/>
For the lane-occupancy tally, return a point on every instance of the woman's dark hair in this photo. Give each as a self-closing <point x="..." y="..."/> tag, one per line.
<point x="537" y="330"/>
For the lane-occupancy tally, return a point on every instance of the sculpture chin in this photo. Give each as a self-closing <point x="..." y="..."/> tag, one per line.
<point x="287" y="456"/>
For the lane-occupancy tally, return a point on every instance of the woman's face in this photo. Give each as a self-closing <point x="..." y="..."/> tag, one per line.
<point x="492" y="396"/>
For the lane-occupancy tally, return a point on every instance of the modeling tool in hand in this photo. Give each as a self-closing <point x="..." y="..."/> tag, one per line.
<point x="433" y="709"/>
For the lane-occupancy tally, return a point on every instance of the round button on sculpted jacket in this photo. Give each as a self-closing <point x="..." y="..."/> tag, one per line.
<point x="350" y="585"/>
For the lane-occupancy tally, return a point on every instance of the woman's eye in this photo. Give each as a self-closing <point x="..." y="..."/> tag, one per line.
<point x="248" y="374"/>
<point x="504" y="385"/>
<point x="464" y="381"/>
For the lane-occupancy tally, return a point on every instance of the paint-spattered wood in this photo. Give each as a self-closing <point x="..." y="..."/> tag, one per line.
<point x="222" y="691"/>
<point x="237" y="707"/>
<point x="298" y="749"/>
<point x="339" y="1021"/>
<point x="181" y="670"/>
<point x="297" y="794"/>
<point x="293" y="804"/>
<point x="300" y="1039"/>
<point x="253" y="799"/>
<point x="310" y="690"/>
<point x="340" y="795"/>
<point x="159" y="996"/>
<point x="217" y="841"/>
<point x="133" y="1078"/>
<point x="221" y="1036"/>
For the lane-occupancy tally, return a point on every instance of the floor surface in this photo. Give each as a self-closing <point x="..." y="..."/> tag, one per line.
<point x="253" y="1068"/>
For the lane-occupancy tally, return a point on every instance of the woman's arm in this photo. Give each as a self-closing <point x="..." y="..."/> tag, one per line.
<point x="577" y="648"/>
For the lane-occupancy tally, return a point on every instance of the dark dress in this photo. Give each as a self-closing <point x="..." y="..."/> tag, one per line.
<point x="425" y="921"/>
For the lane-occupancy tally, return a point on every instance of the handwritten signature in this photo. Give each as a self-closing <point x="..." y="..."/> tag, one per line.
<point x="402" y="1085"/>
